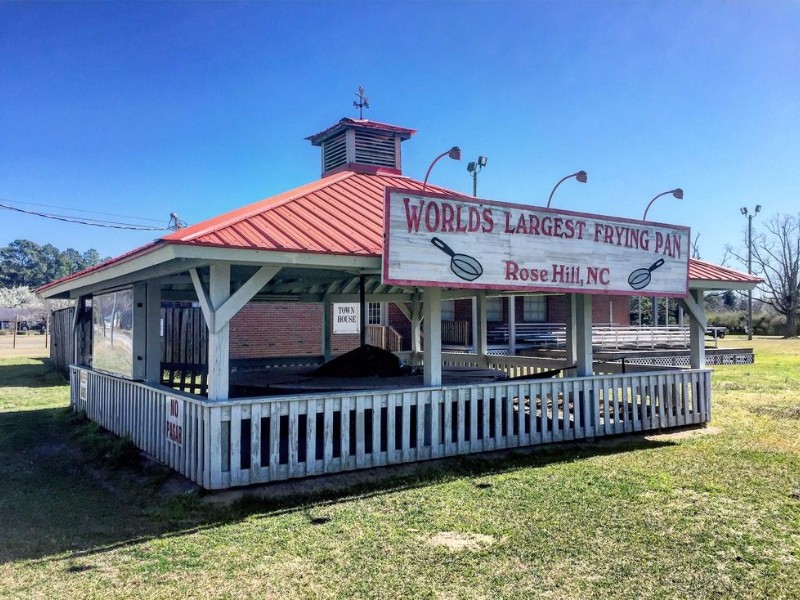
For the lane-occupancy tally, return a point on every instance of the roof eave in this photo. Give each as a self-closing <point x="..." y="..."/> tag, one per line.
<point x="710" y="284"/>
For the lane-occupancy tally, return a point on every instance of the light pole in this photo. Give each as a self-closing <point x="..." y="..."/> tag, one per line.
<point x="677" y="192"/>
<point x="749" y="216"/>
<point x="454" y="153"/>
<point x="580" y="176"/>
<point x="474" y="167"/>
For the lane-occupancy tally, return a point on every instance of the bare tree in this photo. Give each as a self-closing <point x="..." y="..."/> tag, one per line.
<point x="776" y="258"/>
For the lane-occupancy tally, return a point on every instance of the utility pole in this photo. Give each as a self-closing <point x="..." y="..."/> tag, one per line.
<point x="749" y="216"/>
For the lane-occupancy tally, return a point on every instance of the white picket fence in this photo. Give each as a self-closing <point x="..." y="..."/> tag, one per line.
<point x="256" y="440"/>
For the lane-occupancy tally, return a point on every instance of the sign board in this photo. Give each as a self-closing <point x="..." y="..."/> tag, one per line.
<point x="175" y="421"/>
<point x="83" y="385"/>
<point x="347" y="317"/>
<point x="459" y="242"/>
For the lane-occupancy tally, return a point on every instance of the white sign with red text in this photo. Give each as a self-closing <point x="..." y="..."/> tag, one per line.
<point x="83" y="392"/>
<point x="453" y="241"/>
<point x="174" y="423"/>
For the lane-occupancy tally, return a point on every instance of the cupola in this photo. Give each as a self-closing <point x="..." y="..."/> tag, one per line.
<point x="361" y="145"/>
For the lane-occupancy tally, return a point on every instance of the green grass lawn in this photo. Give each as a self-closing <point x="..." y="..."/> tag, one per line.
<point x="713" y="513"/>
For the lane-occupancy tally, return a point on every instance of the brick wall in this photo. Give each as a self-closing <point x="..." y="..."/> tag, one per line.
<point x="602" y="307"/>
<point x="276" y="329"/>
<point x="262" y="330"/>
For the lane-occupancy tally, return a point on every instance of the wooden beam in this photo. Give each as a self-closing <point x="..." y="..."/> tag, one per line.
<point x="351" y="286"/>
<point x="432" y="352"/>
<point x="243" y="295"/>
<point x="202" y="298"/>
<point x="583" y="334"/>
<point x="512" y="325"/>
<point x="481" y="341"/>
<point x="401" y="306"/>
<point x="572" y="329"/>
<point x="153" y="336"/>
<point x="694" y="307"/>
<point x="693" y="304"/>
<point x="219" y="290"/>
<point x="277" y="258"/>
<point x="371" y="297"/>
<point x="416" y="326"/>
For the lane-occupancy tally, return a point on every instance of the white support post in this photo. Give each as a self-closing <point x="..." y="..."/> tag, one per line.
<point x="693" y="304"/>
<point x="432" y="313"/>
<point x="481" y="342"/>
<point x="416" y="327"/>
<point x="571" y="321"/>
<point x="475" y="325"/>
<point x="655" y="311"/>
<point x="583" y="337"/>
<point x="512" y="325"/>
<point x="77" y="323"/>
<point x="153" y="335"/>
<point x="219" y="337"/>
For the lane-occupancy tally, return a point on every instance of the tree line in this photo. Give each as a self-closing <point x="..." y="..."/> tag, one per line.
<point x="24" y="263"/>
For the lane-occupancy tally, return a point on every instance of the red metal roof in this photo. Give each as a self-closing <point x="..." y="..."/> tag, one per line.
<point x="339" y="214"/>
<point x="701" y="270"/>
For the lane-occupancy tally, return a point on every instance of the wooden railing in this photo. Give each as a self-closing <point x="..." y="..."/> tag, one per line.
<point x="384" y="336"/>
<point x="553" y="335"/>
<point x="255" y="440"/>
<point x="456" y="332"/>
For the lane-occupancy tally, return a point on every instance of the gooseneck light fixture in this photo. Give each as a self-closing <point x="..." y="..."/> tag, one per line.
<point x="454" y="153"/>
<point x="580" y="176"/>
<point x="677" y="192"/>
<point x="747" y="214"/>
<point x="474" y="167"/>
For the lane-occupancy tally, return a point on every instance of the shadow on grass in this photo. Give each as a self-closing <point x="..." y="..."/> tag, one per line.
<point x="37" y="373"/>
<point x="61" y="507"/>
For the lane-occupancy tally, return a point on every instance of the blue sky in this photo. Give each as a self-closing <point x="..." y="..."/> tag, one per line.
<point x="142" y="109"/>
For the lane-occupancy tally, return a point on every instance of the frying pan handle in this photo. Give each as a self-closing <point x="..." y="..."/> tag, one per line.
<point x="445" y="248"/>
<point x="656" y="264"/>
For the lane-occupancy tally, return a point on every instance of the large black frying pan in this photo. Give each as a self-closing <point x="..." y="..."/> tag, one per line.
<point x="640" y="278"/>
<point x="465" y="267"/>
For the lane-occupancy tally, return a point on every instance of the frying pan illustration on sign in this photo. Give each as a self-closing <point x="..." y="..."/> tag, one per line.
<point x="465" y="267"/>
<point x="640" y="278"/>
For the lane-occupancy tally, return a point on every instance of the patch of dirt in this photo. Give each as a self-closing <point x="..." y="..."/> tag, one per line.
<point x="777" y="412"/>
<point x="683" y="434"/>
<point x="458" y="542"/>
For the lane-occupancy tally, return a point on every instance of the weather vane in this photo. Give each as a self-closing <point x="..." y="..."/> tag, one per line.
<point x="362" y="102"/>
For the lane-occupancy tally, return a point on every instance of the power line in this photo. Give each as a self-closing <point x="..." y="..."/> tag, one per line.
<point x="93" y="222"/>
<point x="89" y="212"/>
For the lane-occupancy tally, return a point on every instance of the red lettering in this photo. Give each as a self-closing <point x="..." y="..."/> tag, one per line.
<point x="448" y="216"/>
<point x="659" y="242"/>
<point x="474" y="219"/>
<point x="460" y="227"/>
<point x="432" y="210"/>
<point x="413" y="214"/>
<point x="521" y="228"/>
<point x="511" y="270"/>
<point x="596" y="274"/>
<point x="488" y="221"/>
